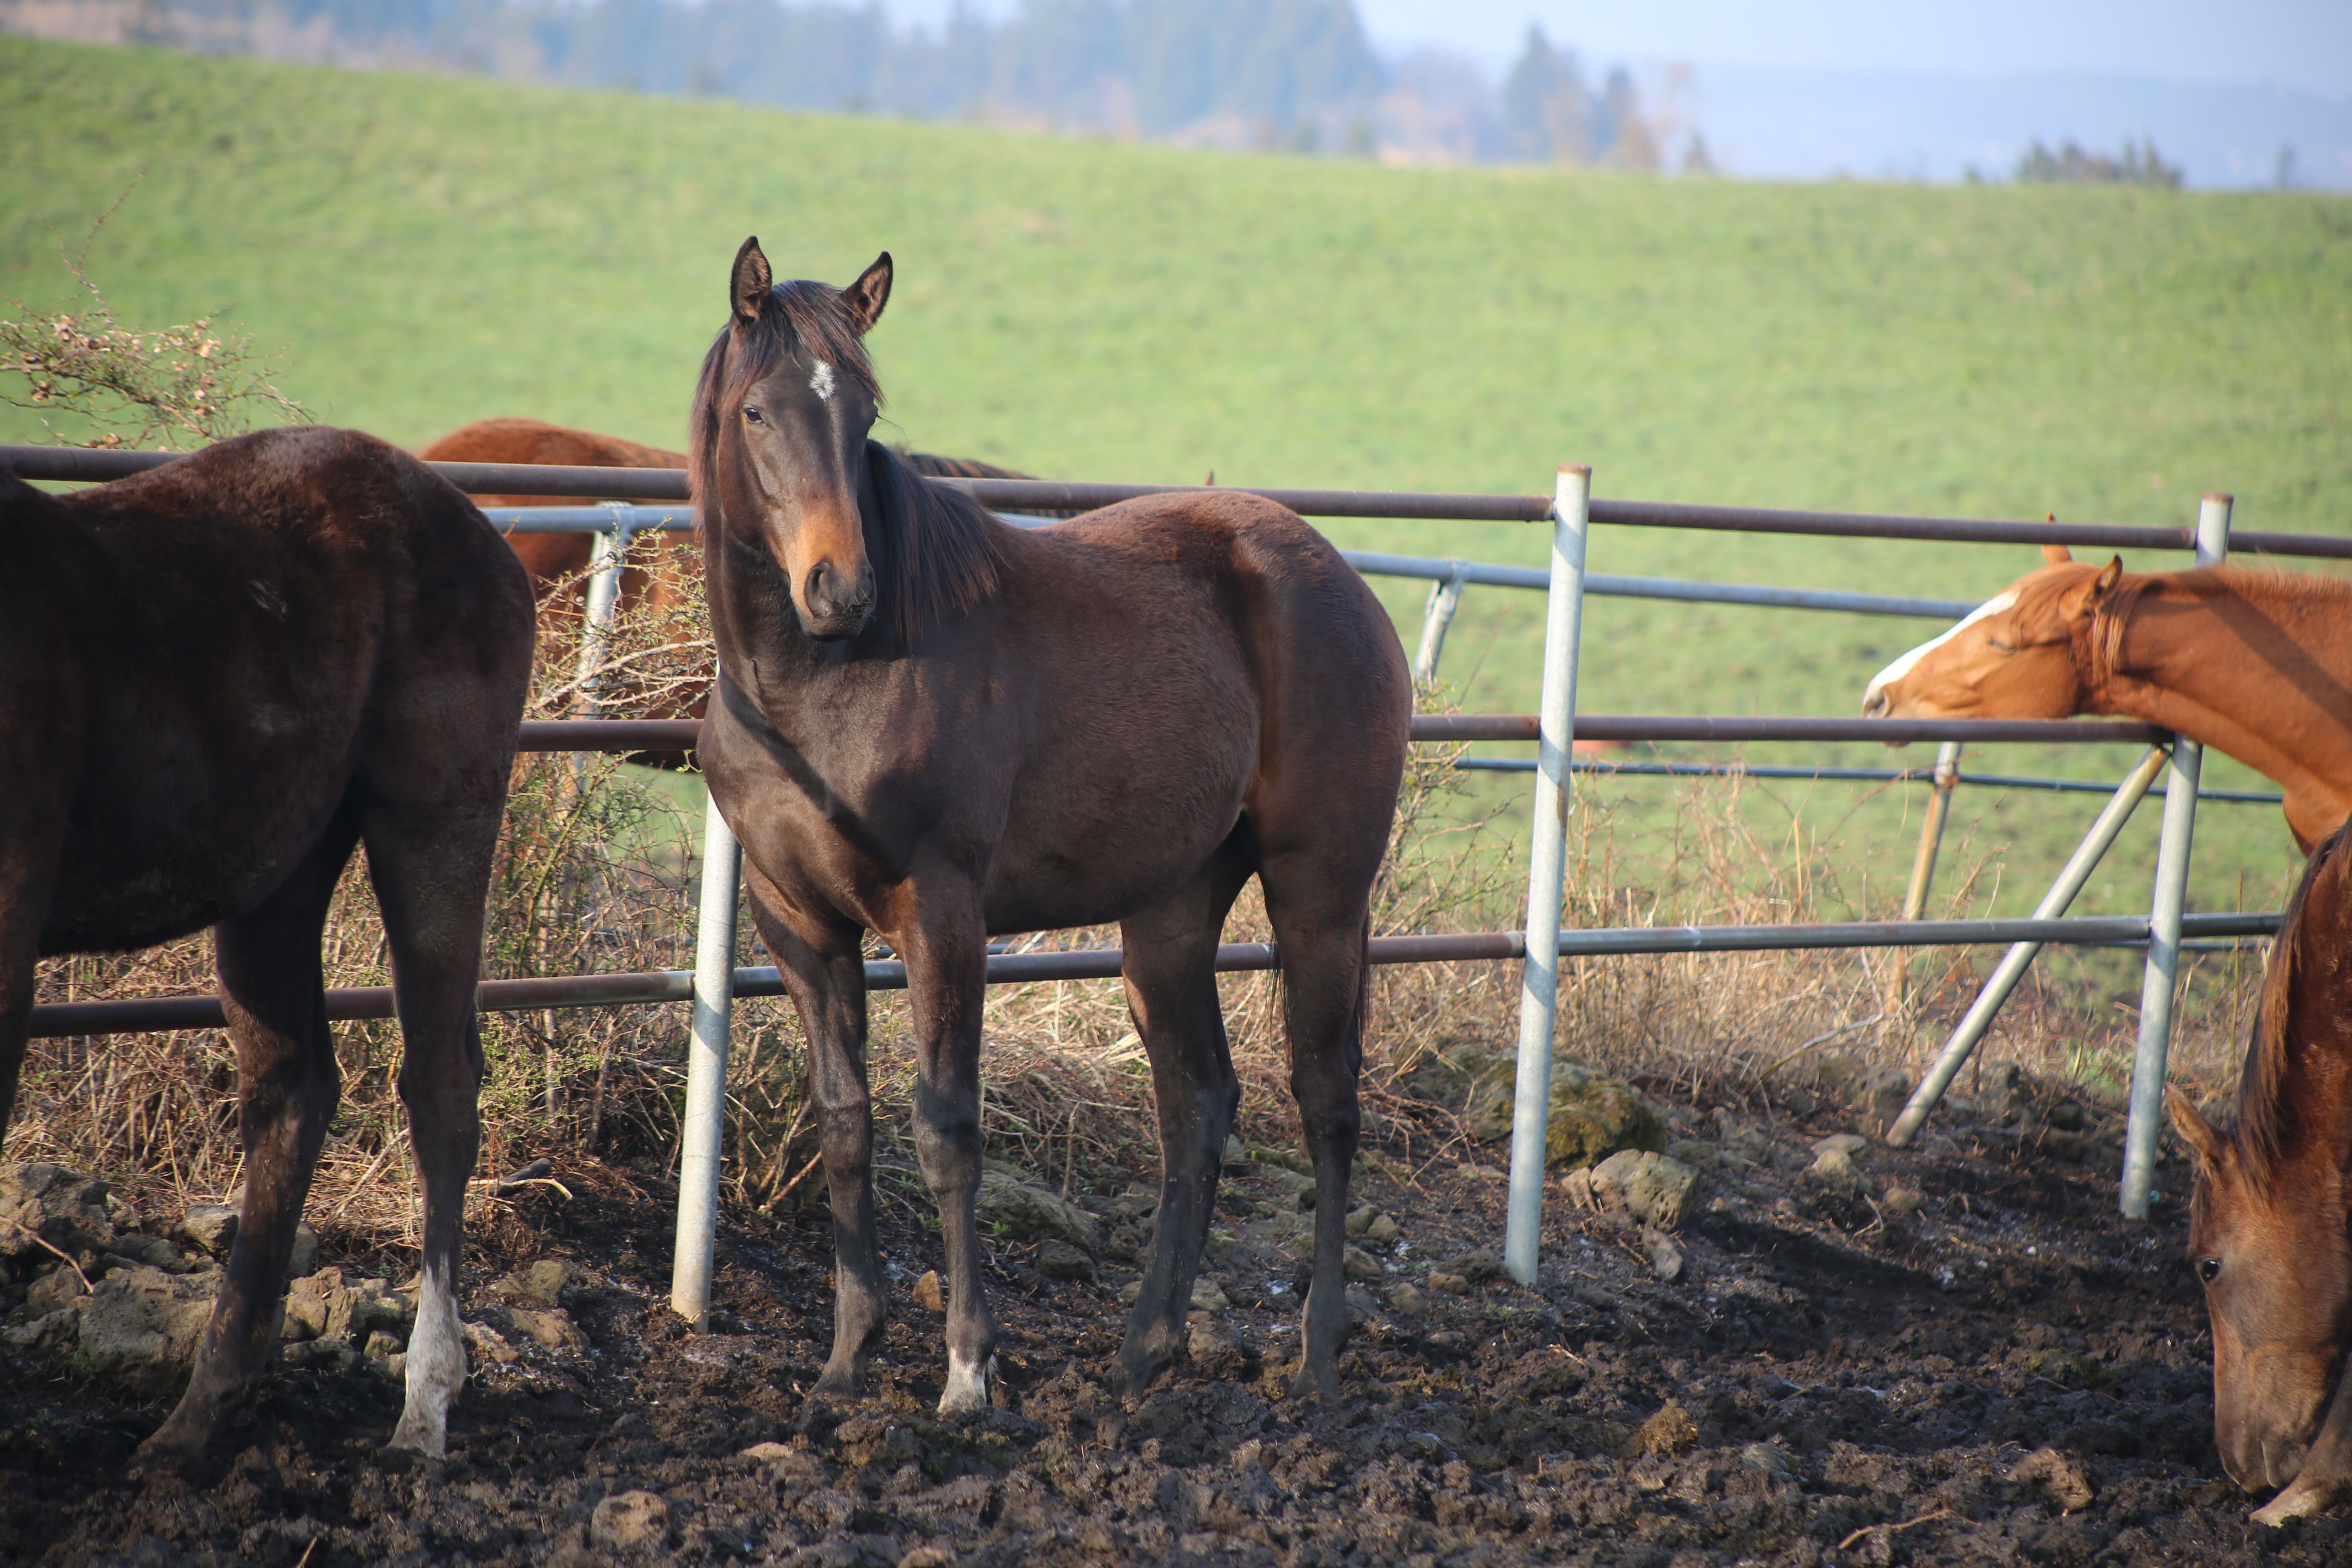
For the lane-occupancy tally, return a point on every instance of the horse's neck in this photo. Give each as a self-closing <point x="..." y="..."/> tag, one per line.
<point x="2258" y="668"/>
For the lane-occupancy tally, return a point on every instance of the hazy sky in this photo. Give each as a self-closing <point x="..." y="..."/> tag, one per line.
<point x="2301" y="43"/>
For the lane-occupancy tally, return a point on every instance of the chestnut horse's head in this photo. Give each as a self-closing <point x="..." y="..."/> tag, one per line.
<point x="2267" y="1229"/>
<point x="2014" y="657"/>
<point x="780" y="417"/>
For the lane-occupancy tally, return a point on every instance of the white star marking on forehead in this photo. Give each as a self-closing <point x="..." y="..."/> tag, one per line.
<point x="822" y="382"/>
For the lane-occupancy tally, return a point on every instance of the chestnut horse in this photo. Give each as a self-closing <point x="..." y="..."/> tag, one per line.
<point x="2255" y="664"/>
<point x="2269" y="1227"/>
<point x="936" y="727"/>
<point x="222" y="674"/>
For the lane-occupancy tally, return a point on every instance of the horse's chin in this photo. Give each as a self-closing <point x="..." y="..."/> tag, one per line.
<point x="839" y="627"/>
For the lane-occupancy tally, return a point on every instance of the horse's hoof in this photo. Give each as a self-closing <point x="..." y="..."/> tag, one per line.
<point x="409" y="1448"/>
<point x="835" y="1391"/>
<point x="1139" y="1369"/>
<point x="968" y="1389"/>
<point x="2296" y="1502"/>
<point x="1310" y="1384"/>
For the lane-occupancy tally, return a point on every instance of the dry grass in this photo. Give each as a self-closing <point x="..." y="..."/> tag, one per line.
<point x="597" y="873"/>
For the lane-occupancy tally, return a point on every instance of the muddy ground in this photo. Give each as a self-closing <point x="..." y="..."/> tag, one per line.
<point x="1829" y="1382"/>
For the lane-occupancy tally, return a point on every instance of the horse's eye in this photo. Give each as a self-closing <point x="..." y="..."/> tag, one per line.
<point x="1999" y="646"/>
<point x="2209" y="1270"/>
<point x="752" y="415"/>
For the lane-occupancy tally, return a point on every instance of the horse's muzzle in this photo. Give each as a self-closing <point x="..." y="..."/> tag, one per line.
<point x="834" y="604"/>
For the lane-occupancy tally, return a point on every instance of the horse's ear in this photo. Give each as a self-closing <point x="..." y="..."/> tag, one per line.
<point x="2101" y="586"/>
<point x="867" y="297"/>
<point x="2056" y="554"/>
<point x="747" y="290"/>
<point x="2194" y="1130"/>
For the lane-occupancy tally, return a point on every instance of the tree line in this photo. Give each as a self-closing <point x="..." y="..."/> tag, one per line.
<point x="1297" y="75"/>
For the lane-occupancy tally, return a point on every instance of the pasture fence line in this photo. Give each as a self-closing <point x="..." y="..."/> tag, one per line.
<point x="1571" y="510"/>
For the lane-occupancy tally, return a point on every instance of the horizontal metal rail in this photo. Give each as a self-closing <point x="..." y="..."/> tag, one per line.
<point x="1370" y="562"/>
<point x="1865" y="776"/>
<point x="1881" y="731"/>
<point x="683" y="734"/>
<point x="79" y="464"/>
<point x="145" y="1014"/>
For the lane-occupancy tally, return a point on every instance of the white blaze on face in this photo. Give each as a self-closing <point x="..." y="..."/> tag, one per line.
<point x="822" y="382"/>
<point x="1910" y="662"/>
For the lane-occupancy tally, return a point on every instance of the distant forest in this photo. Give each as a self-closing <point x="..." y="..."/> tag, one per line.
<point x="1290" y="75"/>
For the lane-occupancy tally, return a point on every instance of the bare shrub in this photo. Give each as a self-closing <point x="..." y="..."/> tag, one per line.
<point x="138" y="387"/>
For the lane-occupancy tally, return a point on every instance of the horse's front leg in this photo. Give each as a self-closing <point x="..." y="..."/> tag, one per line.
<point x="946" y="977"/>
<point x="825" y="976"/>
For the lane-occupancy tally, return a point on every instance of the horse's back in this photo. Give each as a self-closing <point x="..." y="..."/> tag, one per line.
<point x="237" y="637"/>
<point x="1224" y="623"/>
<point x="1319" y="648"/>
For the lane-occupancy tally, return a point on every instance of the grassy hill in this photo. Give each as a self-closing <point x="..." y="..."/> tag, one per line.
<point x="426" y="251"/>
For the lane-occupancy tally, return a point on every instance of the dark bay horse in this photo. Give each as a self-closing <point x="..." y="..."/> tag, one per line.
<point x="657" y="579"/>
<point x="220" y="676"/>
<point x="2269" y="1226"/>
<point x="2257" y="664"/>
<point x="935" y="727"/>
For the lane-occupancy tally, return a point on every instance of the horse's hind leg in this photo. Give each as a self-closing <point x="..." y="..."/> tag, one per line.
<point x="430" y="862"/>
<point x="273" y="991"/>
<point x="825" y="976"/>
<point x="1171" y="990"/>
<point x="1320" y="932"/>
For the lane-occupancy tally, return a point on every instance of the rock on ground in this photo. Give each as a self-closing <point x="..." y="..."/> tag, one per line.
<point x="141" y="1326"/>
<point x="62" y="1207"/>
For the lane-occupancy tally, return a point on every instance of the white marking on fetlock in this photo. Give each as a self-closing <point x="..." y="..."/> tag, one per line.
<point x="436" y="1369"/>
<point x="968" y="1384"/>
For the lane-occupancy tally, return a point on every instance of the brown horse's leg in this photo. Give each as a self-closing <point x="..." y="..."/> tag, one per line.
<point x="826" y="978"/>
<point x="947" y="974"/>
<point x="32" y="838"/>
<point x="1171" y="992"/>
<point x="430" y="864"/>
<point x="1321" y="934"/>
<point x="272" y="989"/>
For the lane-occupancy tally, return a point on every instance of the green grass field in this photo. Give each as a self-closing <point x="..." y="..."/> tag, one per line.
<point x="424" y="251"/>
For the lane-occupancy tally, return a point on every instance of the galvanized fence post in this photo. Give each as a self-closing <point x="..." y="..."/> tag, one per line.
<point x="2160" y="982"/>
<point x="604" y="596"/>
<point x="1444" y="598"/>
<point x="2020" y="956"/>
<point x="706" y="1071"/>
<point x="1547" y="870"/>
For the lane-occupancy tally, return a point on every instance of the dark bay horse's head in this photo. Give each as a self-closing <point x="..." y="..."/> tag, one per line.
<point x="781" y="413"/>
<point x="2267" y="1229"/>
<point x="2014" y="657"/>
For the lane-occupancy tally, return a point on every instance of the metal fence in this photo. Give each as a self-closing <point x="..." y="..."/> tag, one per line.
<point x="1571" y="512"/>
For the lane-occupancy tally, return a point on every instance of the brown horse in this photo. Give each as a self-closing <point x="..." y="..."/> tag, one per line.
<point x="935" y="727"/>
<point x="557" y="558"/>
<point x="660" y="578"/>
<point x="2269" y="1227"/>
<point x="2255" y="664"/>
<point x="223" y="674"/>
